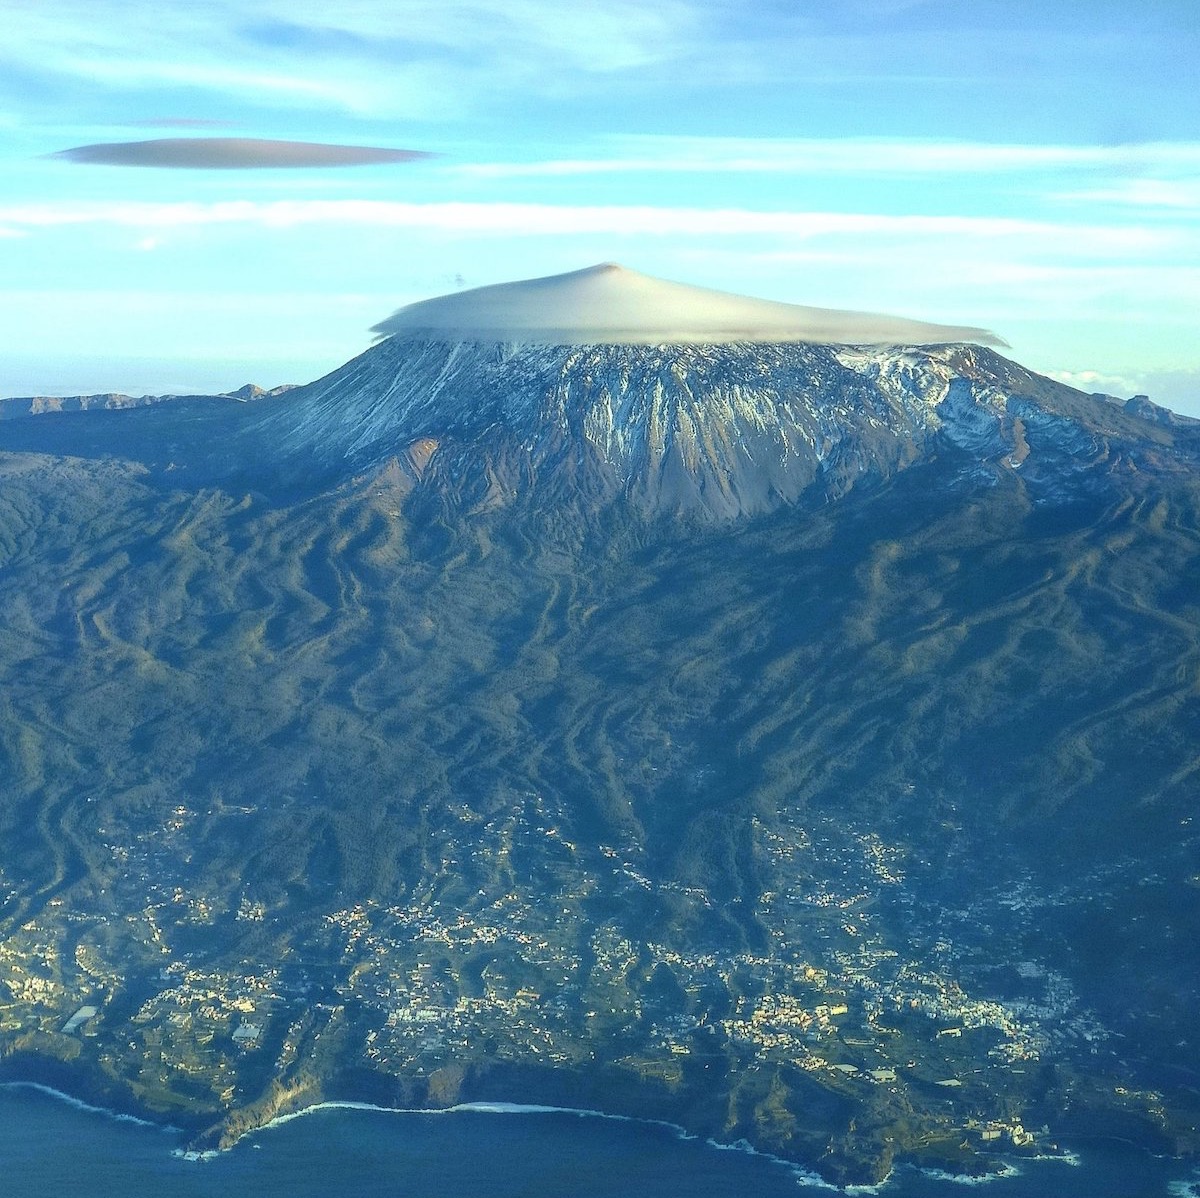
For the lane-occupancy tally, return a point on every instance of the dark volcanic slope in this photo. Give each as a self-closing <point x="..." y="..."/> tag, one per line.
<point x="716" y="432"/>
<point x="450" y="789"/>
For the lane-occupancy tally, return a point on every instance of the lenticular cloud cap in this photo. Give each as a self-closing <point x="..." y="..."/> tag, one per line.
<point x="609" y="304"/>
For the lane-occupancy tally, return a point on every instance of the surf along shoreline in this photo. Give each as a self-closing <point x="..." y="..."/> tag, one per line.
<point x="206" y="1132"/>
<point x="800" y="1175"/>
<point x="10" y="1082"/>
<point x="1009" y="1168"/>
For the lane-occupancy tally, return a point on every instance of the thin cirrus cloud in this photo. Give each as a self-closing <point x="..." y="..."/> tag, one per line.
<point x="540" y="220"/>
<point x="360" y="57"/>
<point x="1166" y="194"/>
<point x="180" y="122"/>
<point x="232" y="153"/>
<point x="852" y="156"/>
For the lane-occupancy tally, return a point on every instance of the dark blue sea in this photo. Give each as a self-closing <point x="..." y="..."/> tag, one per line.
<point x="54" y="1148"/>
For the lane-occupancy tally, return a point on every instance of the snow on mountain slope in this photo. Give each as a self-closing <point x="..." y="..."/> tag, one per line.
<point x="604" y="383"/>
<point x="723" y="430"/>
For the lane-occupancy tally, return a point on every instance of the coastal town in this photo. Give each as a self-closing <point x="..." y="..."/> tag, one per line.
<point x="522" y="952"/>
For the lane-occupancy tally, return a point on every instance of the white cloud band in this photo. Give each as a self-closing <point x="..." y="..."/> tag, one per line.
<point x="537" y="220"/>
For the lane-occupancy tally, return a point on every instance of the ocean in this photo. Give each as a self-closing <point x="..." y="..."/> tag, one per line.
<point x="50" y="1145"/>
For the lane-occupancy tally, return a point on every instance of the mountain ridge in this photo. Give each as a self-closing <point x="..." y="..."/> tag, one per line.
<point x="16" y="407"/>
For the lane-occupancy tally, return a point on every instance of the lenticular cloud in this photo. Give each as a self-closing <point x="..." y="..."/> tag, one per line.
<point x="609" y="304"/>
<point x="232" y="153"/>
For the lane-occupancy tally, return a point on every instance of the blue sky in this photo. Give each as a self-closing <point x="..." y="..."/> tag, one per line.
<point x="1032" y="166"/>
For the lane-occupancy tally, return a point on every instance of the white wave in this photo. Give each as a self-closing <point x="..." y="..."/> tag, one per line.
<point x="78" y="1103"/>
<point x="1065" y="1157"/>
<point x="865" y="1189"/>
<point x="483" y="1108"/>
<point x="520" y="1108"/>
<point x="1006" y="1171"/>
<point x="291" y="1116"/>
<point x="799" y="1174"/>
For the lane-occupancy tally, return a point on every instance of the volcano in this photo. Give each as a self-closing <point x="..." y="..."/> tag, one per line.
<point x="608" y="693"/>
<point x="604" y="385"/>
<point x="605" y="382"/>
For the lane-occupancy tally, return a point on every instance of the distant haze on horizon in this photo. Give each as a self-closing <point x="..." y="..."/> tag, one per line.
<point x="999" y="165"/>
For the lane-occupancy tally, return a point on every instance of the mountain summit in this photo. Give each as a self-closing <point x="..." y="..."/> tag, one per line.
<point x="605" y="386"/>
<point x="717" y="430"/>
<point x="605" y="383"/>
